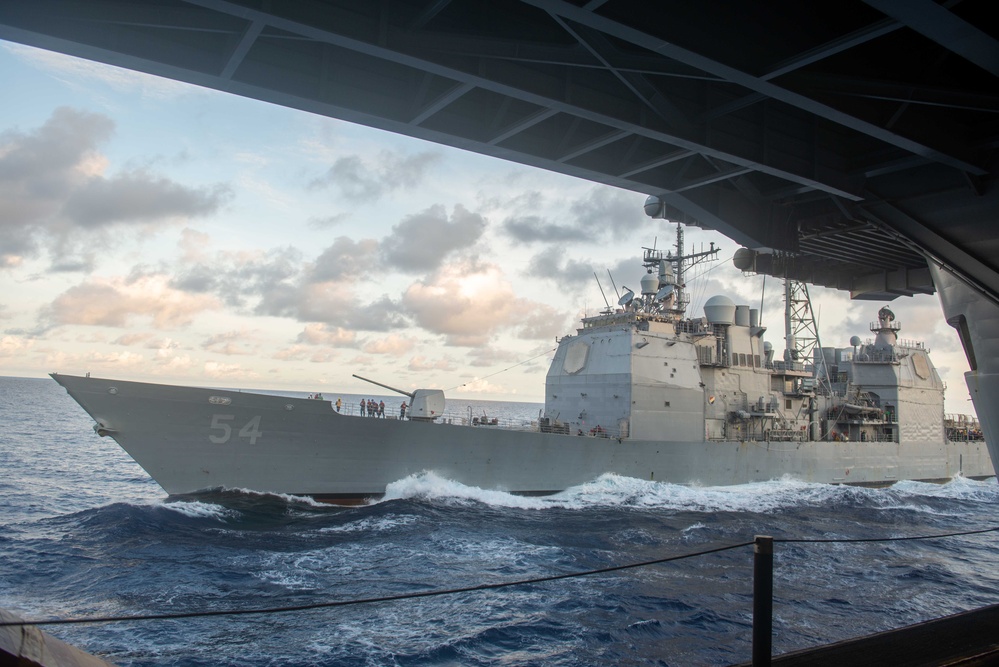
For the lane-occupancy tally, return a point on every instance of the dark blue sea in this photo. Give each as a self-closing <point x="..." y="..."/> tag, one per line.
<point x="84" y="532"/>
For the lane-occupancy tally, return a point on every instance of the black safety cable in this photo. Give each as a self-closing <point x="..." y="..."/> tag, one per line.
<point x="883" y="539"/>
<point x="387" y="598"/>
<point x="519" y="363"/>
<point x="480" y="587"/>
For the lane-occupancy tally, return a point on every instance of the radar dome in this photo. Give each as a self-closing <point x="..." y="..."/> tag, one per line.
<point x="855" y="341"/>
<point x="654" y="207"/>
<point x="650" y="284"/>
<point x="720" y="309"/>
<point x="744" y="259"/>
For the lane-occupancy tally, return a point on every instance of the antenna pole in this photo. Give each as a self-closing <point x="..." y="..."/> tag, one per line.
<point x="601" y="292"/>
<point x="616" y="293"/>
<point x="681" y="291"/>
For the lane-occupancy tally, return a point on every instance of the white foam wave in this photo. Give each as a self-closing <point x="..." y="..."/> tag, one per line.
<point x="317" y="568"/>
<point x="371" y="525"/>
<point x="297" y="581"/>
<point x="430" y="485"/>
<point x="610" y="490"/>
<point x="694" y="527"/>
<point x="286" y="497"/>
<point x="959" y="488"/>
<point x="199" y="510"/>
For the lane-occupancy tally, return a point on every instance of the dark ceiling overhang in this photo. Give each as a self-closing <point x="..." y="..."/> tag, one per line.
<point x="853" y="141"/>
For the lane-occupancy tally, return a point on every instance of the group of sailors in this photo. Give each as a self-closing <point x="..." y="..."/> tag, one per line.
<point x="369" y="408"/>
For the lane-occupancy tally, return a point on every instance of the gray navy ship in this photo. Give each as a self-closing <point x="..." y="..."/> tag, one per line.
<point x="640" y="390"/>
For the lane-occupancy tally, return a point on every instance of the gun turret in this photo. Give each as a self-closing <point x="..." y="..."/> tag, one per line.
<point x="424" y="404"/>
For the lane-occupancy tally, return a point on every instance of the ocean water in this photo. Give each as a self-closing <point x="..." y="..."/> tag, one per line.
<point x="85" y="532"/>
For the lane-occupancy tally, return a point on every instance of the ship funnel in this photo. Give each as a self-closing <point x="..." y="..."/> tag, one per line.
<point x="754" y="317"/>
<point x="742" y="316"/>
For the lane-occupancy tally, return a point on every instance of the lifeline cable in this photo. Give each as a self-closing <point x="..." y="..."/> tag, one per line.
<point x="480" y="587"/>
<point x="387" y="598"/>
<point x="519" y="363"/>
<point x="832" y="540"/>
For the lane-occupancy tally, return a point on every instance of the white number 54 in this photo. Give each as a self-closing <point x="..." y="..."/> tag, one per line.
<point x="220" y="424"/>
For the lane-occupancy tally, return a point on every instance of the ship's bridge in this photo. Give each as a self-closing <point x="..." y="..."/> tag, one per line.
<point x="639" y="319"/>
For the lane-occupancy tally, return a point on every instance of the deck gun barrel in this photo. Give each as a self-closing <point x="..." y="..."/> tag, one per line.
<point x="398" y="391"/>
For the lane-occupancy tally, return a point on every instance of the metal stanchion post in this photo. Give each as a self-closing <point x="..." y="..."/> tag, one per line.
<point x="763" y="600"/>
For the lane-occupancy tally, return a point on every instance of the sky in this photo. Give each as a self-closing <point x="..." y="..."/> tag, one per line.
<point x="156" y="231"/>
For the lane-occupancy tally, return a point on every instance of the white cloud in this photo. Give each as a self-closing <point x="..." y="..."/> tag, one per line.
<point x="214" y="369"/>
<point x="421" y="364"/>
<point x="392" y="345"/>
<point x="320" y="334"/>
<point x="241" y="342"/>
<point x="54" y="193"/>
<point x="602" y="215"/>
<point x="124" y="359"/>
<point x="465" y="302"/>
<point x="422" y="241"/>
<point x="361" y="179"/>
<point x="116" y="303"/>
<point x="12" y="346"/>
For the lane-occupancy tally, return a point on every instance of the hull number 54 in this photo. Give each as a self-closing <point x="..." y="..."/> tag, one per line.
<point x="222" y="429"/>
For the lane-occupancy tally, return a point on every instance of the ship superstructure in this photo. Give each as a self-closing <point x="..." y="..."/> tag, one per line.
<point x="891" y="390"/>
<point x="645" y="371"/>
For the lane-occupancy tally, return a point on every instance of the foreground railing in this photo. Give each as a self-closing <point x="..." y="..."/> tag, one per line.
<point x="763" y="578"/>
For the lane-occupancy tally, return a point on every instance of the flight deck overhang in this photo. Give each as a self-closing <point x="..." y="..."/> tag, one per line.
<point x="858" y="136"/>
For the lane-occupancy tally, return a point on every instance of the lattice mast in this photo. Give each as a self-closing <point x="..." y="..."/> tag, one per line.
<point x="801" y="335"/>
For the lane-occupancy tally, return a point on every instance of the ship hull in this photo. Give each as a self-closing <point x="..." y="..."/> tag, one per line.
<point x="192" y="439"/>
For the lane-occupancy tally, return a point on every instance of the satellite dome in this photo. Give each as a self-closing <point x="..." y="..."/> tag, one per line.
<point x="654" y="207"/>
<point x="650" y="284"/>
<point x="744" y="259"/>
<point x="855" y="341"/>
<point x="720" y="309"/>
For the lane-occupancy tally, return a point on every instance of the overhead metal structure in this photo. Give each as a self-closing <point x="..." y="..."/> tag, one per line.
<point x="852" y="141"/>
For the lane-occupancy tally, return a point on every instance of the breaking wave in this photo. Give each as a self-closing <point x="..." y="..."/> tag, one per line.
<point x="611" y="490"/>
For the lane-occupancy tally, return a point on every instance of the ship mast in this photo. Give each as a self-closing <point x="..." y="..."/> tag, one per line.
<point x="678" y="265"/>
<point x="801" y="335"/>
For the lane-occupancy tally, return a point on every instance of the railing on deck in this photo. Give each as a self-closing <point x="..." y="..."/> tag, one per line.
<point x="762" y="611"/>
<point x="468" y="417"/>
